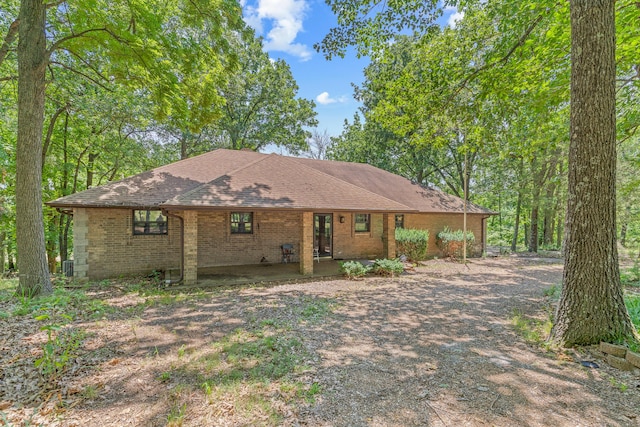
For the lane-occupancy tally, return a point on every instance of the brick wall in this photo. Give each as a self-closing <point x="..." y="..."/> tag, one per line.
<point x="435" y="223"/>
<point x="218" y="246"/>
<point x="349" y="244"/>
<point x="104" y="245"/>
<point x="112" y="250"/>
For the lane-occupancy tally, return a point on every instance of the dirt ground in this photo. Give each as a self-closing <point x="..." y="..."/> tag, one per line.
<point x="433" y="347"/>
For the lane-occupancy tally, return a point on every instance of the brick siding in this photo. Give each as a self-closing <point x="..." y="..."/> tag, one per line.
<point x="104" y="245"/>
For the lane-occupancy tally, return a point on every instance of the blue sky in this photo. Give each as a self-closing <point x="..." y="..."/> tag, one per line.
<point x="290" y="28"/>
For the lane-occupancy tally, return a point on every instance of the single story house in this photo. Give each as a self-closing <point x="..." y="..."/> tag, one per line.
<point x="230" y="207"/>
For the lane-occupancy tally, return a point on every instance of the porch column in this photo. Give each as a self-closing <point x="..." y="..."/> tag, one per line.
<point x="190" y="247"/>
<point x="80" y="243"/>
<point x="306" y="243"/>
<point x="389" y="235"/>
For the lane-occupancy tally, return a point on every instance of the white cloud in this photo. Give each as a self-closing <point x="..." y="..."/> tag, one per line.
<point x="325" y="99"/>
<point x="455" y="16"/>
<point x="286" y="18"/>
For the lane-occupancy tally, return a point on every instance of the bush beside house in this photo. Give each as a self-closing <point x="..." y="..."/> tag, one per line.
<point x="451" y="243"/>
<point x="412" y="243"/>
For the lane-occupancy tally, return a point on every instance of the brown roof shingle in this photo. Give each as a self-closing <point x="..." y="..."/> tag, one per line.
<point x="224" y="179"/>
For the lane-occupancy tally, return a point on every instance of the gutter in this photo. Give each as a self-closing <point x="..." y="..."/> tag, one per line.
<point x="181" y="278"/>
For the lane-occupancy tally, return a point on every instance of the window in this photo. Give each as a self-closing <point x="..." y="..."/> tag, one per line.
<point x="149" y="222"/>
<point x="241" y="222"/>
<point x="363" y="222"/>
<point x="399" y="221"/>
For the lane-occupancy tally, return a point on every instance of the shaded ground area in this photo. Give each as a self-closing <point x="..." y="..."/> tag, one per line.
<point x="436" y="347"/>
<point x="266" y="272"/>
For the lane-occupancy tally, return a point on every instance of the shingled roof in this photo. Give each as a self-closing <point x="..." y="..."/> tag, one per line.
<point x="224" y="179"/>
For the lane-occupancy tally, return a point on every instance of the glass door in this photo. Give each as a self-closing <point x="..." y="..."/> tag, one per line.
<point x="322" y="233"/>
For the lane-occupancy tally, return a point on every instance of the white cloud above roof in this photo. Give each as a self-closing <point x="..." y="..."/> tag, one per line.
<point x="285" y="17"/>
<point x="325" y="99"/>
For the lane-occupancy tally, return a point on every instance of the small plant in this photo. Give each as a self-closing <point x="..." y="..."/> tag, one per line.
<point x="412" y="243"/>
<point x="553" y="292"/>
<point x="176" y="415"/>
<point x="310" y="395"/>
<point x="164" y="377"/>
<point x="60" y="348"/>
<point x="354" y="269"/>
<point x="181" y="351"/>
<point x="452" y="242"/>
<point x="90" y="392"/>
<point x="618" y="384"/>
<point x="387" y="267"/>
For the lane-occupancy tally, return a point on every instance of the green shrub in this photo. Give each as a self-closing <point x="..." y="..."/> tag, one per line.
<point x="412" y="243"/>
<point x="387" y="267"/>
<point x="451" y="242"/>
<point x="354" y="269"/>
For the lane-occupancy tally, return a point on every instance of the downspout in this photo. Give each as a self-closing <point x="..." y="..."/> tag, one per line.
<point x="173" y="282"/>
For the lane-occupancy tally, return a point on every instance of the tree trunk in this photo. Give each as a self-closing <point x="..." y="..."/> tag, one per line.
<point x="623" y="235"/>
<point x="32" y="61"/>
<point x="514" y="241"/>
<point x="533" y="236"/>
<point x="549" y="214"/>
<point x="90" y="165"/>
<point x="3" y="236"/>
<point x="591" y="308"/>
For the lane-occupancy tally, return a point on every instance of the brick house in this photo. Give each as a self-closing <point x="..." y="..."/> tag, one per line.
<point x="230" y="207"/>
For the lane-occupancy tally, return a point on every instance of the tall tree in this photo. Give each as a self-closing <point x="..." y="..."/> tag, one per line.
<point x="156" y="47"/>
<point x="261" y="103"/>
<point x="32" y="66"/>
<point x="591" y="307"/>
<point x="592" y="290"/>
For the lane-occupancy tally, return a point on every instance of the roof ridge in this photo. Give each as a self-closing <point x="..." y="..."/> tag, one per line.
<point x="295" y="159"/>
<point x="193" y="190"/>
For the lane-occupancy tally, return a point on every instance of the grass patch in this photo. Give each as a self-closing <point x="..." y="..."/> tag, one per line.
<point x="633" y="306"/>
<point x="256" y="370"/>
<point x="534" y="331"/>
<point x="314" y="309"/>
<point x="630" y="277"/>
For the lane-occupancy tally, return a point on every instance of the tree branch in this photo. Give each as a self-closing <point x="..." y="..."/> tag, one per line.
<point x="52" y="122"/>
<point x="54" y="4"/>
<point x="60" y="42"/>
<point x="88" y="64"/>
<point x="9" y="38"/>
<point x="523" y="38"/>
<point x="86" y="76"/>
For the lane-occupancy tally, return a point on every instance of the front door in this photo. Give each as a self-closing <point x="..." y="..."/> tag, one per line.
<point x="322" y="234"/>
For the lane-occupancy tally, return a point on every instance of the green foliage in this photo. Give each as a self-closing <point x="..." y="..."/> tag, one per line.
<point x="61" y="347"/>
<point x="387" y="267"/>
<point x="412" y="243"/>
<point x="632" y="301"/>
<point x="176" y="415"/>
<point x="354" y="269"/>
<point x="553" y="293"/>
<point x="452" y="242"/>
